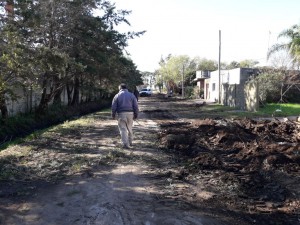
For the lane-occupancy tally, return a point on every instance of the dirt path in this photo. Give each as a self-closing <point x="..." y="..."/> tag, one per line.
<point x="181" y="170"/>
<point x="127" y="190"/>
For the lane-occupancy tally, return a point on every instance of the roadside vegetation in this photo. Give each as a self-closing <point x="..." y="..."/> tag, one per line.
<point x="280" y="109"/>
<point x="15" y="128"/>
<point x="23" y="125"/>
<point x="57" y="128"/>
<point x="62" y="53"/>
<point x="50" y="154"/>
<point x="269" y="110"/>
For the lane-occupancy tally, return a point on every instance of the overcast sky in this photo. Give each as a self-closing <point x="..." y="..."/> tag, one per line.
<point x="191" y="27"/>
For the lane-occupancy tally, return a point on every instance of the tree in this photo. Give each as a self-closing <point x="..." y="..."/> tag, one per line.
<point x="174" y="70"/>
<point x="233" y="65"/>
<point x="282" y="60"/>
<point x="270" y="81"/>
<point x="206" y="64"/>
<point x="248" y="63"/>
<point x="292" y="45"/>
<point x="14" y="59"/>
<point x="61" y="45"/>
<point x="285" y="56"/>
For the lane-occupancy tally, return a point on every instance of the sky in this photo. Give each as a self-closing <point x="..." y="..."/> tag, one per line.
<point x="191" y="27"/>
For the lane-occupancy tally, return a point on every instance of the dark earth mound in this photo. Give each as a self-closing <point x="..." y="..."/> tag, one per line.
<point x="255" y="163"/>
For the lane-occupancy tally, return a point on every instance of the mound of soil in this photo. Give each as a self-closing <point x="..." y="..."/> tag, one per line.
<point x="255" y="163"/>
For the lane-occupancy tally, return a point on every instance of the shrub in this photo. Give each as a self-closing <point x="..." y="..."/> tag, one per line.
<point x="24" y="124"/>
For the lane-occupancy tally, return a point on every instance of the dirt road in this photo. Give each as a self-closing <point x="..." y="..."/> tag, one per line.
<point x="124" y="190"/>
<point x="80" y="175"/>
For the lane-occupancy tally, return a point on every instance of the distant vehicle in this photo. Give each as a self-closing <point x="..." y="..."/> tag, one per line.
<point x="145" y="92"/>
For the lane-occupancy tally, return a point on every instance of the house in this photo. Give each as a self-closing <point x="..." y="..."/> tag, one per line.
<point x="201" y="77"/>
<point x="236" y="90"/>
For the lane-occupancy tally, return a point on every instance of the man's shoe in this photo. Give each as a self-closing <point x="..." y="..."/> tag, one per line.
<point x="125" y="147"/>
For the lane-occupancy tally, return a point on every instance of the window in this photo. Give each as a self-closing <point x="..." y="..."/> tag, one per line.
<point x="214" y="86"/>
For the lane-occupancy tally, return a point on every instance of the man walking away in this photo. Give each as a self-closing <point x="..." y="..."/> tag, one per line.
<point x="125" y="105"/>
<point x="136" y="94"/>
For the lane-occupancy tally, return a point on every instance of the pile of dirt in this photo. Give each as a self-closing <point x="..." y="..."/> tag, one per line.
<point x="255" y="164"/>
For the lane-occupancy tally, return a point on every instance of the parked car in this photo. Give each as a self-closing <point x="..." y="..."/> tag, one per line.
<point x="145" y="92"/>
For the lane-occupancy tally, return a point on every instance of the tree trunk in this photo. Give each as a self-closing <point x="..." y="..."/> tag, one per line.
<point x="43" y="105"/>
<point x="3" y="106"/>
<point x="58" y="89"/>
<point x="44" y="102"/>
<point x="57" y="97"/>
<point x="69" y="93"/>
<point x="75" y="100"/>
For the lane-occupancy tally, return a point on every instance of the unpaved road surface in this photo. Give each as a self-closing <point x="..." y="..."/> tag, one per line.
<point x="181" y="170"/>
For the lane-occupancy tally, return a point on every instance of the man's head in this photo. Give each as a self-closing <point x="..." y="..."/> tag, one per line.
<point x="122" y="86"/>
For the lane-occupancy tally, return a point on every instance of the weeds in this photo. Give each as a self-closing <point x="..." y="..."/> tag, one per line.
<point x="23" y="125"/>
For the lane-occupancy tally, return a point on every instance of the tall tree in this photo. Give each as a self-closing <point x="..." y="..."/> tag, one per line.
<point x="14" y="60"/>
<point x="175" y="70"/>
<point x="233" y="65"/>
<point x="64" y="46"/>
<point x="292" y="35"/>
<point x="248" y="63"/>
<point x="206" y="64"/>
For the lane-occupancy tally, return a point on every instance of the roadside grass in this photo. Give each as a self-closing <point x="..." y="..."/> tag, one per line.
<point x="13" y="129"/>
<point x="268" y="110"/>
<point x="72" y="127"/>
<point x="51" y="154"/>
<point x="284" y="109"/>
<point x="18" y="153"/>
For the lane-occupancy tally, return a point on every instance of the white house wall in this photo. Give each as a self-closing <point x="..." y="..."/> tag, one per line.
<point x="213" y="87"/>
<point x="234" y="76"/>
<point x="214" y="79"/>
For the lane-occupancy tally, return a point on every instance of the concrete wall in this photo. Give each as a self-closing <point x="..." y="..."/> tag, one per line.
<point x="241" y="93"/>
<point x="214" y="86"/>
<point x="27" y="101"/>
<point x="252" y="96"/>
<point x="234" y="91"/>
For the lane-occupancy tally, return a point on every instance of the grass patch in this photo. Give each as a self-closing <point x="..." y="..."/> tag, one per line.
<point x="284" y="109"/>
<point x="269" y="110"/>
<point x="13" y="129"/>
<point x="72" y="127"/>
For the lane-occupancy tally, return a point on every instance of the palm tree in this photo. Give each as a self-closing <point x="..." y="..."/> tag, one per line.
<point x="292" y="46"/>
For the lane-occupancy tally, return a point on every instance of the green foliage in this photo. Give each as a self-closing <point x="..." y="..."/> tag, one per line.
<point x="27" y="124"/>
<point x="291" y="44"/>
<point x="55" y="45"/>
<point x="206" y="64"/>
<point x="233" y="65"/>
<point x="248" y="63"/>
<point x="189" y="92"/>
<point x="270" y="82"/>
<point x="173" y="69"/>
<point x="197" y="93"/>
<point x="268" y="111"/>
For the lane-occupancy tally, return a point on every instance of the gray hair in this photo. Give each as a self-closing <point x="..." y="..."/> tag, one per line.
<point x="122" y="86"/>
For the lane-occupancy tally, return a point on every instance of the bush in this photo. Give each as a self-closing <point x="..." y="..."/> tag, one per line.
<point x="189" y="92"/>
<point x="24" y="124"/>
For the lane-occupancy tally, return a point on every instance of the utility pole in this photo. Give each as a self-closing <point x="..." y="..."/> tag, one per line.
<point x="182" y="85"/>
<point x="219" y="67"/>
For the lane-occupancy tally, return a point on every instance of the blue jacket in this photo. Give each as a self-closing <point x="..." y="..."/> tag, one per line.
<point x="124" y="101"/>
